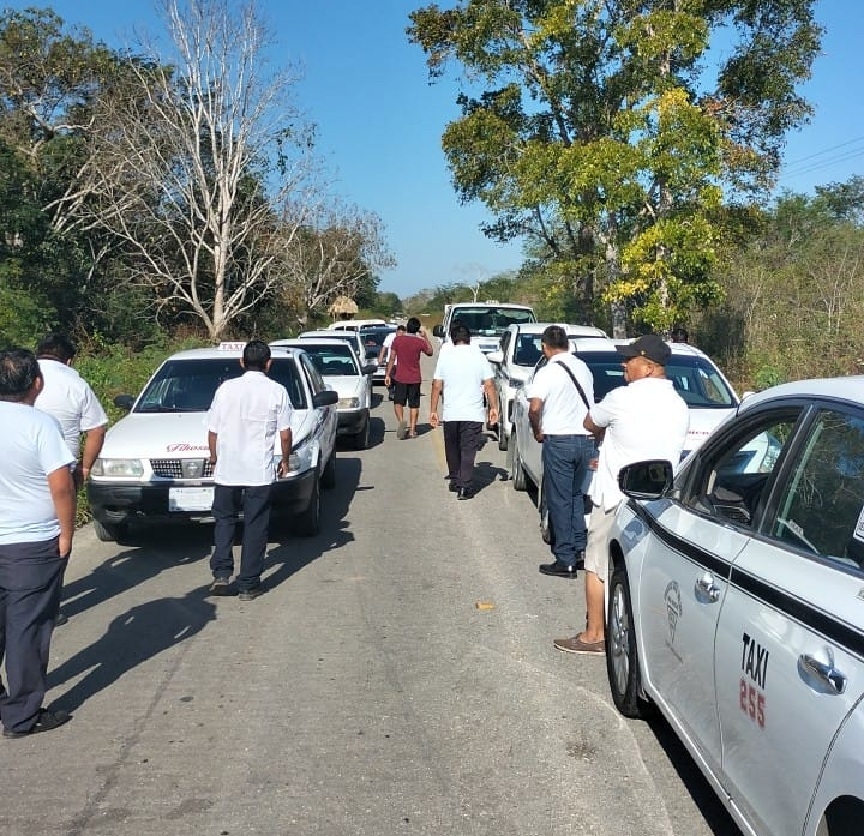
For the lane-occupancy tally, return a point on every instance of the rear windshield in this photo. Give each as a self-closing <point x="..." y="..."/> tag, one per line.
<point x="333" y="360"/>
<point x="189" y="385"/>
<point x="528" y="350"/>
<point x="373" y="339"/>
<point x="484" y="321"/>
<point x="695" y="379"/>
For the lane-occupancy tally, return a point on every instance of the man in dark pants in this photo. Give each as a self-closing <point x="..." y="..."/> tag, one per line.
<point x="37" y="497"/>
<point x="559" y="397"/>
<point x="247" y="414"/>
<point x="463" y="374"/>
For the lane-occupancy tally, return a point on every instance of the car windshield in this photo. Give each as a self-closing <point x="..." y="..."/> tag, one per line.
<point x="528" y="350"/>
<point x="695" y="379"/>
<point x="373" y="339"/>
<point x="189" y="385"/>
<point x="348" y="337"/>
<point x="484" y="321"/>
<point x="332" y="360"/>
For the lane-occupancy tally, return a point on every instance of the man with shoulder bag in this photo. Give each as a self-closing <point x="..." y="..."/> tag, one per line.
<point x="560" y="396"/>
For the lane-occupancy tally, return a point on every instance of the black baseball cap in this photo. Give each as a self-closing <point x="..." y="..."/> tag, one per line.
<point x="650" y="346"/>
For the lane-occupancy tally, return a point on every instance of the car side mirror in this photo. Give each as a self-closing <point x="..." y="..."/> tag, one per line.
<point x="326" y="398"/>
<point x="438" y="331"/>
<point x="496" y="357"/>
<point x="646" y="480"/>
<point x="370" y="368"/>
<point x="124" y="402"/>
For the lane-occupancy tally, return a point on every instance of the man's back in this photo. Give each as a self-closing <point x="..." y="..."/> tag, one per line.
<point x="463" y="369"/>
<point x="407" y="348"/>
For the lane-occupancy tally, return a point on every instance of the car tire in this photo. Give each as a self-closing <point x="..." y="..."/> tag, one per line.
<point x="308" y="523"/>
<point x="517" y="472"/>
<point x="503" y="435"/>
<point x="328" y="475"/>
<point x="546" y="533"/>
<point x="361" y="439"/>
<point x="622" y="655"/>
<point x="109" y="532"/>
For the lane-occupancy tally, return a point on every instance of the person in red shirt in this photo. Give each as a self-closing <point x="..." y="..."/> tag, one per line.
<point x="405" y="355"/>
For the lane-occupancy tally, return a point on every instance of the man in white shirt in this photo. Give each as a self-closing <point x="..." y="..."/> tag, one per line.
<point x="69" y="398"/>
<point x="384" y="354"/>
<point x="559" y="397"/>
<point x="37" y="495"/>
<point x="247" y="414"/>
<point x="463" y="374"/>
<point x="646" y="419"/>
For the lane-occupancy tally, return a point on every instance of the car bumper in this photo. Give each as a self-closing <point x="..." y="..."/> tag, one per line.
<point x="125" y="503"/>
<point x="351" y="421"/>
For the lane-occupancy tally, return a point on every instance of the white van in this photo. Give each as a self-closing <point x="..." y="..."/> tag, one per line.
<point x="355" y="324"/>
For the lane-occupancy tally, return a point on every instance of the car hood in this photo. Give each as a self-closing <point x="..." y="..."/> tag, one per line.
<point x="175" y="435"/>
<point x="702" y="423"/>
<point x="344" y="385"/>
<point x="520" y="372"/>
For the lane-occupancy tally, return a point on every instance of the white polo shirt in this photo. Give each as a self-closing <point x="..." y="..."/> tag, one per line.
<point x="646" y="419"/>
<point x="463" y="369"/>
<point x="564" y="410"/>
<point x="388" y="344"/>
<point x="69" y="398"/>
<point x="247" y="415"/>
<point x="31" y="447"/>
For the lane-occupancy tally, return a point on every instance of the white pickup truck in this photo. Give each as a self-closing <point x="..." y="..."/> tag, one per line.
<point x="486" y="321"/>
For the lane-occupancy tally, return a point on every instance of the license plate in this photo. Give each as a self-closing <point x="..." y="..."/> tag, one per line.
<point x="190" y="499"/>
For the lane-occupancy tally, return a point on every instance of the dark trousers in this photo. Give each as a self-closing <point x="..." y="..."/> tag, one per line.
<point x="462" y="440"/>
<point x="31" y="577"/>
<point x="227" y="502"/>
<point x="565" y="465"/>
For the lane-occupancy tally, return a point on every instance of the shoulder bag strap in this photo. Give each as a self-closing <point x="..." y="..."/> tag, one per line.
<point x="575" y="383"/>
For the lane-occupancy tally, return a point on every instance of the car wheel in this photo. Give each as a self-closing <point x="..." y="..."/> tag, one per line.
<point x="546" y="533"/>
<point x="361" y="439"/>
<point x="622" y="656"/>
<point x="328" y="477"/>
<point x="517" y="472"/>
<point x="308" y="524"/>
<point x="503" y="435"/>
<point x="109" y="532"/>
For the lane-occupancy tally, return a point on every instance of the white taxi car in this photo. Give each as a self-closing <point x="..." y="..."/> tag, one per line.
<point x="342" y="372"/>
<point x="155" y="465"/>
<point x="735" y="604"/>
<point x="708" y="394"/>
<point x="515" y="360"/>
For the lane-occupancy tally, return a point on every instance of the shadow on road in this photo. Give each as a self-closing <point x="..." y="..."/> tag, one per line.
<point x="486" y="473"/>
<point x="131" y="639"/>
<point x="715" y="814"/>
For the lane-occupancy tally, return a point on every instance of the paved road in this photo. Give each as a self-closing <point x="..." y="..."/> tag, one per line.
<point x="365" y="693"/>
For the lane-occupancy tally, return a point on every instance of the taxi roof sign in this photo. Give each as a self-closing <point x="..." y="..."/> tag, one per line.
<point x="232" y="346"/>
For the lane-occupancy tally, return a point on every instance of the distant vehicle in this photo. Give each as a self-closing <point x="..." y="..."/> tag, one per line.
<point x="486" y="321"/>
<point x="351" y="337"/>
<point x="373" y="339"/>
<point x="700" y="383"/>
<point x="155" y="463"/>
<point x="354" y="324"/>
<point x="734" y="606"/>
<point x="514" y="363"/>
<point x="337" y="364"/>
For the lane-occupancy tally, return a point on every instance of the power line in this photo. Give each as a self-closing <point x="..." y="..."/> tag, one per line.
<point x="818" y="166"/>
<point x="793" y="163"/>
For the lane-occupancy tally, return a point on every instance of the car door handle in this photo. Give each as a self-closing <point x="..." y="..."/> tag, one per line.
<point x="706" y="587"/>
<point x="824" y="671"/>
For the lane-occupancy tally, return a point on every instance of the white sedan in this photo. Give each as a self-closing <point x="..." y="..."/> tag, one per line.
<point x="735" y="604"/>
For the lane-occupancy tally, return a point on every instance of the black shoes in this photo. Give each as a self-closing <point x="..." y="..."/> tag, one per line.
<point x="61" y="620"/>
<point x="45" y="721"/>
<point x="453" y="487"/>
<point x="221" y="586"/>
<point x="558" y="570"/>
<point x="464" y="493"/>
<point x="250" y="594"/>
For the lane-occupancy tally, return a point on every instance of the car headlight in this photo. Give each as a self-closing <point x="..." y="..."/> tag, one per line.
<point x="117" y="467"/>
<point x="348" y="403"/>
<point x="300" y="459"/>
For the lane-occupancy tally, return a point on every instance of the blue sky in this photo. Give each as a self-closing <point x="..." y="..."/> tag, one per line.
<point x="380" y="121"/>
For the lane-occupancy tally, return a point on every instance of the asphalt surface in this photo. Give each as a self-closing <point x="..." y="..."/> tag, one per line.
<point x="397" y="678"/>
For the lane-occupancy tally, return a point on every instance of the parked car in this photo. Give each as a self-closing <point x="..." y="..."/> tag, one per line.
<point x="373" y="338"/>
<point x="335" y="361"/>
<point x="486" y="321"/>
<point x="734" y="605"/>
<point x="350" y="336"/>
<point x="355" y="324"/>
<point x="155" y="462"/>
<point x="514" y="362"/>
<point x="700" y="383"/>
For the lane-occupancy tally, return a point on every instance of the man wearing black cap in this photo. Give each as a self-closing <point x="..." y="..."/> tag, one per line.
<point x="646" y="419"/>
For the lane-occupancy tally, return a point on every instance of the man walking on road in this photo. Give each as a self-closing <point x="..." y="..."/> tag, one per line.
<point x="646" y="419"/>
<point x="386" y="348"/>
<point x="405" y="356"/>
<point x="37" y="495"/>
<point x="559" y="397"/>
<point x="463" y="374"/>
<point x="246" y="415"/>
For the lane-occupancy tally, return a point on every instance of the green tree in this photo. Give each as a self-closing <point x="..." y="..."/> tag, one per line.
<point x="606" y="132"/>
